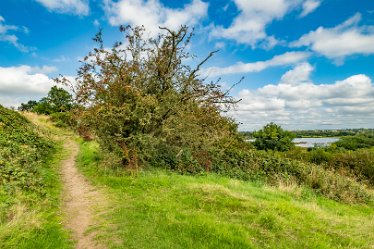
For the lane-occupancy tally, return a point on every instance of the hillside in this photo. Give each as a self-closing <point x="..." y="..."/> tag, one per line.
<point x="162" y="209"/>
<point x="153" y="208"/>
<point x="29" y="185"/>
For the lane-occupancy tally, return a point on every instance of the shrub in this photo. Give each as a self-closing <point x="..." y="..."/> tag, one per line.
<point x="273" y="137"/>
<point x="359" y="163"/>
<point x="64" y="119"/>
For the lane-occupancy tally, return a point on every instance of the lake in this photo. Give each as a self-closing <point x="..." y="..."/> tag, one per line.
<point x="309" y="142"/>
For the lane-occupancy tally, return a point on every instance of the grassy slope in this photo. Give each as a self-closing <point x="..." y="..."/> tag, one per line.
<point x="159" y="209"/>
<point x="29" y="207"/>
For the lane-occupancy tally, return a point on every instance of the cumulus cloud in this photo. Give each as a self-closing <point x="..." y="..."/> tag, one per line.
<point x="76" y="7"/>
<point x="298" y="103"/>
<point x="288" y="58"/>
<point x="300" y="74"/>
<point x="249" y="27"/>
<point x="309" y="6"/>
<point x="7" y="35"/>
<point x="153" y="14"/>
<point x="20" y="84"/>
<point x="343" y="40"/>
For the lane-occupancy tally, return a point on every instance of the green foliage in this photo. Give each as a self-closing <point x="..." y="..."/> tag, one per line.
<point x="21" y="150"/>
<point x="330" y="133"/>
<point x="150" y="108"/>
<point x="63" y="119"/>
<point x="274" y="168"/>
<point x="43" y="107"/>
<point x="273" y="137"/>
<point x="29" y="106"/>
<point x="319" y="155"/>
<point x="29" y="186"/>
<point x="359" y="141"/>
<point x="58" y="100"/>
<point x="359" y="163"/>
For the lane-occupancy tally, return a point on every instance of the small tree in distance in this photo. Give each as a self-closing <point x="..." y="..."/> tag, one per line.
<point x="57" y="100"/>
<point x="273" y="137"/>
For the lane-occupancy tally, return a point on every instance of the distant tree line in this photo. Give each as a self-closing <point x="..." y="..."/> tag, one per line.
<point x="57" y="100"/>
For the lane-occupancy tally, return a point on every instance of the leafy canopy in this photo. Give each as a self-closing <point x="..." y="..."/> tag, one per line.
<point x="273" y="137"/>
<point x="145" y="103"/>
<point x="58" y="100"/>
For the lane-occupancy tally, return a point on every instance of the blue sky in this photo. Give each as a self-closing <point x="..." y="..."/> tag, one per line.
<point x="307" y="63"/>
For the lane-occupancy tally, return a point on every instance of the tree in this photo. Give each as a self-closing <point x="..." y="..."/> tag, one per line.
<point x="142" y="98"/>
<point x="28" y="106"/>
<point x="273" y="137"/>
<point x="43" y="107"/>
<point x="58" y="100"/>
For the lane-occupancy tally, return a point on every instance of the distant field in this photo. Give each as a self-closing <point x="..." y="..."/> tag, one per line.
<point x="159" y="209"/>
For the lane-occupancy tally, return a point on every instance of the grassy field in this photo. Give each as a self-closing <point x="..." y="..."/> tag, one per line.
<point x="160" y="209"/>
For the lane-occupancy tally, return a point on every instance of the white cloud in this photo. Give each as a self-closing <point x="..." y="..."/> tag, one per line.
<point x="152" y="14"/>
<point x="249" y="27"/>
<point x="12" y="38"/>
<point x="288" y="58"/>
<point x="300" y="74"/>
<point x="298" y="103"/>
<point x="343" y="40"/>
<point x="20" y="84"/>
<point x="309" y="6"/>
<point x="76" y="7"/>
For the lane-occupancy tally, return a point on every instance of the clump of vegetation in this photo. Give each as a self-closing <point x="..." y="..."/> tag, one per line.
<point x="58" y="104"/>
<point x="273" y="137"/>
<point x="359" y="141"/>
<point x="29" y="186"/>
<point x="345" y="158"/>
<point x="274" y="169"/>
<point x="148" y="107"/>
<point x="21" y="151"/>
<point x="58" y="100"/>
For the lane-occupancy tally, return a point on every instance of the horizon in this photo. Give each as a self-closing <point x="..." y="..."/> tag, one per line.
<point x="307" y="64"/>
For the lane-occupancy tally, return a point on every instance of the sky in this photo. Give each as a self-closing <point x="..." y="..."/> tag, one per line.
<point x="307" y="64"/>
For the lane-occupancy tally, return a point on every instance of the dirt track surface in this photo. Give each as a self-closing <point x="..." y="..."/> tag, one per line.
<point x="81" y="201"/>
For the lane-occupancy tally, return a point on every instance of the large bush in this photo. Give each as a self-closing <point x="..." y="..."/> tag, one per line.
<point x="148" y="106"/>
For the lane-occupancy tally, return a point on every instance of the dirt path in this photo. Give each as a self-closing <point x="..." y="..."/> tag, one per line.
<point x="80" y="201"/>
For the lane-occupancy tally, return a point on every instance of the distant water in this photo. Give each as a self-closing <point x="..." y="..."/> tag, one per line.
<point x="310" y="142"/>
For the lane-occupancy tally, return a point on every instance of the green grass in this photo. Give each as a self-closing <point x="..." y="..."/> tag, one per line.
<point x="161" y="209"/>
<point x="30" y="186"/>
